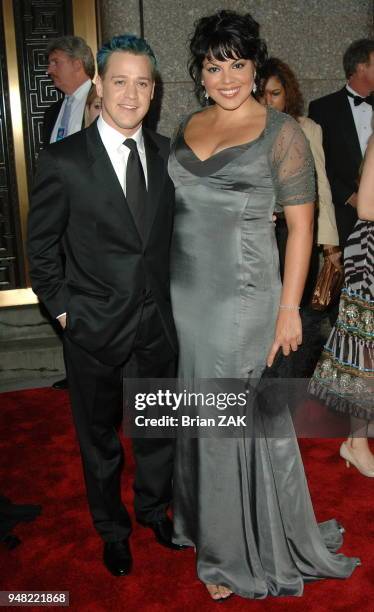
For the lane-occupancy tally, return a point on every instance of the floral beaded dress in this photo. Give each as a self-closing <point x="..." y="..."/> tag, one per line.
<point x="242" y="502"/>
<point x="344" y="376"/>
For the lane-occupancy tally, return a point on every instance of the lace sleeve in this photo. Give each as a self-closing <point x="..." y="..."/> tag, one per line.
<point x="293" y="166"/>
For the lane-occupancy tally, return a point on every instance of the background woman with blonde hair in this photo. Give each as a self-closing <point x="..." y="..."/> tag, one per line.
<point x="93" y="107"/>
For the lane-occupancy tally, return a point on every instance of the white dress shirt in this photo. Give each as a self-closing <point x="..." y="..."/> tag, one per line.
<point x="118" y="152"/>
<point x="362" y="115"/>
<point x="79" y="98"/>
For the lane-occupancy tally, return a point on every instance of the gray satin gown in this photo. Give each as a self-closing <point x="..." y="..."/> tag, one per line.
<point x="243" y="503"/>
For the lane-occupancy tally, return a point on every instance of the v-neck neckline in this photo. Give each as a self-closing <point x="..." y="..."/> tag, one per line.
<point x="238" y="146"/>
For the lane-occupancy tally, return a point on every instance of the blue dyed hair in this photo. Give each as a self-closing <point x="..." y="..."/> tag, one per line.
<point x="127" y="43"/>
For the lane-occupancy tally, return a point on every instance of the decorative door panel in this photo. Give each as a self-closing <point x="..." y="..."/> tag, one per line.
<point x="11" y="256"/>
<point x="26" y="28"/>
<point x="38" y="22"/>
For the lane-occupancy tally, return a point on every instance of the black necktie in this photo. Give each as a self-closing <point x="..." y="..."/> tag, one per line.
<point x="136" y="191"/>
<point x="357" y="100"/>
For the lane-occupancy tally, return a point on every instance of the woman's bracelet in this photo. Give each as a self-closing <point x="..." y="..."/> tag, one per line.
<point x="288" y="307"/>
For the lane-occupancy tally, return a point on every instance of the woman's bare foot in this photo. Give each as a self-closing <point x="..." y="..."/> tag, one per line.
<point x="218" y="592"/>
<point x="214" y="591"/>
<point x="361" y="451"/>
<point x="224" y="592"/>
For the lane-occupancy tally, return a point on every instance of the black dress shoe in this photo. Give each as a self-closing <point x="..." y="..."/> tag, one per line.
<point x="117" y="558"/>
<point x="60" y="384"/>
<point x="163" y="530"/>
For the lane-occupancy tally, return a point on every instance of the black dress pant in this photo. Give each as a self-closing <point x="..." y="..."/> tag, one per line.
<point x="96" y="397"/>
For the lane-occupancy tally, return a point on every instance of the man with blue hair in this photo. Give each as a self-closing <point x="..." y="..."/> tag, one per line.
<point x="105" y="193"/>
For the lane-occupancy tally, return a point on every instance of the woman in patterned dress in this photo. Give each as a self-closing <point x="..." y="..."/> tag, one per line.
<point x="344" y="376"/>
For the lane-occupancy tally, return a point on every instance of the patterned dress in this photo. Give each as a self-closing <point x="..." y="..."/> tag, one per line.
<point x="344" y="376"/>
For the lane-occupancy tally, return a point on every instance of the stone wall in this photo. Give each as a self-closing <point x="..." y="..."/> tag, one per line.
<point x="30" y="351"/>
<point x="311" y="35"/>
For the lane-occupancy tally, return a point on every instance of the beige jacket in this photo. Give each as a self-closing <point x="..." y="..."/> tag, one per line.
<point x="327" y="232"/>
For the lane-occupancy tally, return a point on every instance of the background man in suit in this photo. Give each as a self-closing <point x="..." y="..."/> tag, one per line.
<point x="346" y="120"/>
<point x="106" y="194"/>
<point x="71" y="66"/>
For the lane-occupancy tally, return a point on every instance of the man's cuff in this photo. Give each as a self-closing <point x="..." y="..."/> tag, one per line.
<point x="61" y="315"/>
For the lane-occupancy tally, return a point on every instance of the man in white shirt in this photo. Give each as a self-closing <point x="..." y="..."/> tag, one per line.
<point x="71" y="66"/>
<point x="346" y="118"/>
<point x="106" y="194"/>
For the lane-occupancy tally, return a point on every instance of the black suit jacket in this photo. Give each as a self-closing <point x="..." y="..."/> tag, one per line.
<point x="77" y="198"/>
<point x="50" y="118"/>
<point x="342" y="152"/>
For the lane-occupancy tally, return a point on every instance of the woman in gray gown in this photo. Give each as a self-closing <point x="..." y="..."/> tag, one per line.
<point x="242" y="502"/>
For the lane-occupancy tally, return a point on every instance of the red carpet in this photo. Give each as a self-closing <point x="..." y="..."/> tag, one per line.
<point x="60" y="551"/>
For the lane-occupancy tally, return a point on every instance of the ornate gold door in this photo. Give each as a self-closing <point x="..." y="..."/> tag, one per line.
<point x="26" y="27"/>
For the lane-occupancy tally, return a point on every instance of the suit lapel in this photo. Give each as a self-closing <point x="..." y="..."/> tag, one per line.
<point x="56" y="109"/>
<point x="50" y="119"/>
<point x="349" y="127"/>
<point x="156" y="178"/>
<point x="103" y="169"/>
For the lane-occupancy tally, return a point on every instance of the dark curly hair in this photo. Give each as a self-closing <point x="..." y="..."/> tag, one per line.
<point x="224" y="35"/>
<point x="274" y="67"/>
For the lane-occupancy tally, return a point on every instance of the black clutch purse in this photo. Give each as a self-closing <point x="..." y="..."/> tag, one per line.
<point x="281" y="366"/>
